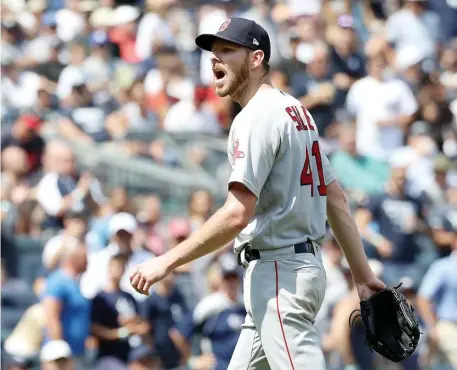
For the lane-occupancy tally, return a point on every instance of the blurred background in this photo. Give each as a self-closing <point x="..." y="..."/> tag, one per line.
<point x="113" y="150"/>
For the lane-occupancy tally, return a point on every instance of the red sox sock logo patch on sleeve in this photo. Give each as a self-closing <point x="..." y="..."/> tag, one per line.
<point x="237" y="153"/>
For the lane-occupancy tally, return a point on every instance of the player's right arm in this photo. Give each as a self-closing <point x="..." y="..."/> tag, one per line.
<point x="346" y="233"/>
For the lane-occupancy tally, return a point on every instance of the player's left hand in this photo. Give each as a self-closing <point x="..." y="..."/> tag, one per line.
<point x="370" y="287"/>
<point x="149" y="273"/>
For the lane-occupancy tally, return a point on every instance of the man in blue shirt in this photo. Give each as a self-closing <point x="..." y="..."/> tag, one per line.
<point x="67" y="311"/>
<point x="437" y="303"/>
<point x="162" y="310"/>
<point x="217" y="318"/>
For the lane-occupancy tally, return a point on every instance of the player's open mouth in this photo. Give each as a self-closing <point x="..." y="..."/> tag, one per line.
<point x="218" y="75"/>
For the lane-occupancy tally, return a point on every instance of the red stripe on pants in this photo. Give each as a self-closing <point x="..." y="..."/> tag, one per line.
<point x="279" y="316"/>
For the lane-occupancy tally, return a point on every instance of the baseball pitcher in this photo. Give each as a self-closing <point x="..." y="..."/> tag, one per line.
<point x="280" y="193"/>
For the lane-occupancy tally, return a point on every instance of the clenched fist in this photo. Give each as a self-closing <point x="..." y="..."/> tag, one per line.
<point x="149" y="273"/>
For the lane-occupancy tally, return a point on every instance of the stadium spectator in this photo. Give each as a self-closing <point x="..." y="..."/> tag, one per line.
<point x="24" y="133"/>
<point x="134" y="118"/>
<point x="98" y="234"/>
<point x="163" y="310"/>
<point x="382" y="107"/>
<point x="82" y="120"/>
<point x="50" y="67"/>
<point x="315" y="88"/>
<point x="122" y="226"/>
<point x="15" y="165"/>
<point x="360" y="175"/>
<point x="75" y="226"/>
<point x="73" y="73"/>
<point x="151" y="229"/>
<point x="398" y="218"/>
<point x="67" y="310"/>
<point x="168" y="83"/>
<point x="66" y="189"/>
<point x="124" y="32"/>
<point x="115" y="321"/>
<point x="99" y="67"/>
<point x="217" y="318"/>
<point x="199" y="208"/>
<point x="437" y="302"/>
<point x="419" y="156"/>
<point x="19" y="87"/>
<point x="347" y="63"/>
<point x="154" y="30"/>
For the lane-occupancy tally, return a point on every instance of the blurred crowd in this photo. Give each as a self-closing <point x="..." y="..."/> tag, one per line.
<point x="378" y="77"/>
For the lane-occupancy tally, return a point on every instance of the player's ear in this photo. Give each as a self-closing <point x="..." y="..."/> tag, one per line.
<point x="257" y="58"/>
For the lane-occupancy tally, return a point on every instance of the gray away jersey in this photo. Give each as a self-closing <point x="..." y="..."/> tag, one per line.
<point x="274" y="151"/>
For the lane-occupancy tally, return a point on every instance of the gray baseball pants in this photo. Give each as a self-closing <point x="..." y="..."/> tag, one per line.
<point x="283" y="292"/>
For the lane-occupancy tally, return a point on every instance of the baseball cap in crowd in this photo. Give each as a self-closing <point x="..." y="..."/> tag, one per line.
<point x="124" y="14"/>
<point x="179" y="228"/>
<point x="55" y="350"/>
<point x="87" y="6"/>
<point x="240" y="31"/>
<point x="408" y="56"/>
<point x="49" y="19"/>
<point x="142" y="353"/>
<point x="99" y="38"/>
<point x="346" y="21"/>
<point x="122" y="221"/>
<point x="228" y="265"/>
<point x="102" y="17"/>
<point x="31" y="121"/>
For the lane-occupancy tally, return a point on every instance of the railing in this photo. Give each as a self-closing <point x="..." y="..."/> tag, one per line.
<point x="141" y="175"/>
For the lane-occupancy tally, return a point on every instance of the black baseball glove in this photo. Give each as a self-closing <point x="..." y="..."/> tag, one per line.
<point x="391" y="327"/>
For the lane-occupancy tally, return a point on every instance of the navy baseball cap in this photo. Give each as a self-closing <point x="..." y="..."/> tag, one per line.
<point x="240" y="31"/>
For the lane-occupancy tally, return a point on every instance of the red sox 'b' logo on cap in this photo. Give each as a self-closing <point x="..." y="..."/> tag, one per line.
<point x="224" y="25"/>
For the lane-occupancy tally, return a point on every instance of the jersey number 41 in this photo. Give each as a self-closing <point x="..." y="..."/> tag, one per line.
<point x="306" y="177"/>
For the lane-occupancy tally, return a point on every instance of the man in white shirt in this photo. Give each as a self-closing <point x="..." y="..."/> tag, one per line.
<point x="383" y="108"/>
